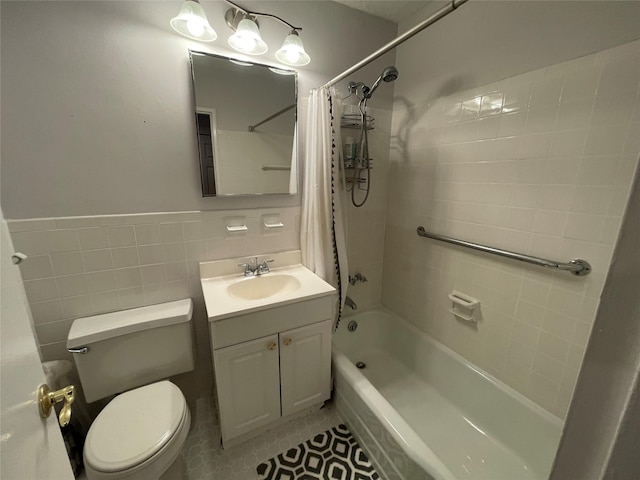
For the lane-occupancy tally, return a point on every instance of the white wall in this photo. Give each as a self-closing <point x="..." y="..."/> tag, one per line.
<point x="97" y="114"/>
<point x="484" y="41"/>
<point x="539" y="163"/>
<point x="605" y="445"/>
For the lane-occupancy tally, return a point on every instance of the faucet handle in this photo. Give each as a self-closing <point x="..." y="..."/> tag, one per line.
<point x="248" y="269"/>
<point x="263" y="267"/>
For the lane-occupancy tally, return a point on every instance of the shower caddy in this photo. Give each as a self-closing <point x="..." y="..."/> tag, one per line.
<point x="357" y="159"/>
<point x="355" y="164"/>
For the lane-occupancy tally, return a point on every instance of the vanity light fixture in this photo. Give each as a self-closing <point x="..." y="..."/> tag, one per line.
<point x="192" y="22"/>
<point x="246" y="37"/>
<point x="292" y="51"/>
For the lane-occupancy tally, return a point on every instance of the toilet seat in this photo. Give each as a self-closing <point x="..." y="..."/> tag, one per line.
<point x="137" y="428"/>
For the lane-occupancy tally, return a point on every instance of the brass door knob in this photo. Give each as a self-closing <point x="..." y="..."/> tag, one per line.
<point x="47" y="398"/>
<point x="287" y="341"/>
<point x="272" y="346"/>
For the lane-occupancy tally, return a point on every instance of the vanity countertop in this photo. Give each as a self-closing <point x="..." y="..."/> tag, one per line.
<point x="300" y="284"/>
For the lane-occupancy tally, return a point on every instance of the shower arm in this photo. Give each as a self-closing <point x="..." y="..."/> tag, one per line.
<point x="443" y="12"/>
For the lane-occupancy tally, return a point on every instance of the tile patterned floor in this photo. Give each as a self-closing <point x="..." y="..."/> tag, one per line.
<point x="333" y="454"/>
<point x="206" y="460"/>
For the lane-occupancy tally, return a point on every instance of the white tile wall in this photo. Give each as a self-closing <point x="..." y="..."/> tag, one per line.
<point x="540" y="163"/>
<point x="365" y="225"/>
<point x="79" y="266"/>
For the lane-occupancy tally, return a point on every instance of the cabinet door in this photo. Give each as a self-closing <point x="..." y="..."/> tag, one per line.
<point x="248" y="385"/>
<point x="305" y="366"/>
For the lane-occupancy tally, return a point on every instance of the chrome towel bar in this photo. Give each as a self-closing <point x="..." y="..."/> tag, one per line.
<point x="577" y="266"/>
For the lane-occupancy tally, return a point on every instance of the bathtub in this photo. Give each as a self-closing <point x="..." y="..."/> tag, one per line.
<point x="421" y="411"/>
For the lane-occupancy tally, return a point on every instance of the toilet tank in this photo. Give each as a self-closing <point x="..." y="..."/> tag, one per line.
<point x="131" y="348"/>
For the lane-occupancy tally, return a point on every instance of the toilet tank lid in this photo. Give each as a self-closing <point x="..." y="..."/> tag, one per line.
<point x="87" y="330"/>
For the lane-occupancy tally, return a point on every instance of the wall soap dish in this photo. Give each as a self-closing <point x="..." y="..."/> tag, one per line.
<point x="463" y="306"/>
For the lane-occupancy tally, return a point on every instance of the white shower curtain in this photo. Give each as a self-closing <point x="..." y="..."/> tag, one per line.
<point x="322" y="235"/>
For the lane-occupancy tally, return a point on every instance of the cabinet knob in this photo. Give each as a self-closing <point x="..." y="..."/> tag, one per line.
<point x="272" y="346"/>
<point x="287" y="341"/>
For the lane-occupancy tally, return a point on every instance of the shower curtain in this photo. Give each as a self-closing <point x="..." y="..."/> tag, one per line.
<point x="322" y="234"/>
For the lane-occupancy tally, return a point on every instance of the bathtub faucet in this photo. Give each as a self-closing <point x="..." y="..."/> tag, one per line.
<point x="350" y="303"/>
<point x="358" y="277"/>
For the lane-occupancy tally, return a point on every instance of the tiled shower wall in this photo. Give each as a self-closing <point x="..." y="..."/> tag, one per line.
<point x="365" y="225"/>
<point x="80" y="266"/>
<point x="540" y="163"/>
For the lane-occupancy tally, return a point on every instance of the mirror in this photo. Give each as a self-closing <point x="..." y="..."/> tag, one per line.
<point x="245" y="125"/>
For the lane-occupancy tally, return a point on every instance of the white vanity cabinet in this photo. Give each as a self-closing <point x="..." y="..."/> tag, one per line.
<point x="271" y="342"/>
<point x="260" y="381"/>
<point x="248" y="385"/>
<point x="305" y="367"/>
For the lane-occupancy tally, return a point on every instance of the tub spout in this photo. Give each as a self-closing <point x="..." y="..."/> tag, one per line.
<point x="350" y="303"/>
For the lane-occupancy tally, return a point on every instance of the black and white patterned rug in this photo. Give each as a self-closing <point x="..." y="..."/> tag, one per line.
<point x="332" y="455"/>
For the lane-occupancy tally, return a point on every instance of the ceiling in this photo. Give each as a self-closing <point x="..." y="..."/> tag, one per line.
<point x="394" y="10"/>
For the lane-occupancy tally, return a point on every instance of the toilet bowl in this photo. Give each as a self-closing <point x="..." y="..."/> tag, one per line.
<point x="140" y="434"/>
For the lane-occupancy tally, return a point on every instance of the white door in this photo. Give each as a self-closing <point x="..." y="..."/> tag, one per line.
<point x="305" y="366"/>
<point x="248" y="386"/>
<point x="32" y="448"/>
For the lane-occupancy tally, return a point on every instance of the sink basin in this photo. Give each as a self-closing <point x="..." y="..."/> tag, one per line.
<point x="229" y="294"/>
<point x="264" y="286"/>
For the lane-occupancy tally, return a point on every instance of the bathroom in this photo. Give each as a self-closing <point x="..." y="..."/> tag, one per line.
<point x="507" y="126"/>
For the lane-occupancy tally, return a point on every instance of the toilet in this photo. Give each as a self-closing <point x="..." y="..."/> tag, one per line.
<point x="140" y="434"/>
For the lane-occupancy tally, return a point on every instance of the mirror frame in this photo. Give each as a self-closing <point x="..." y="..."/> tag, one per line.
<point x="195" y="108"/>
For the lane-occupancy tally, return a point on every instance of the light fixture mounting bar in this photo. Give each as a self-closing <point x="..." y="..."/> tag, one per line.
<point x="258" y="14"/>
<point x="233" y="17"/>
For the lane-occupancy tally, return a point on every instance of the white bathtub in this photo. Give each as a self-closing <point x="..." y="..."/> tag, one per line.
<point x="423" y="412"/>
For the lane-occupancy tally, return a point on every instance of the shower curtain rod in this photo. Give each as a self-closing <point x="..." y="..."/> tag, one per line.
<point x="443" y="12"/>
<point x="271" y="117"/>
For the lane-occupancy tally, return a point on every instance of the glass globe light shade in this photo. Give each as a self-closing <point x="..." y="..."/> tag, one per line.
<point x="292" y="51"/>
<point x="192" y="22"/>
<point x="247" y="38"/>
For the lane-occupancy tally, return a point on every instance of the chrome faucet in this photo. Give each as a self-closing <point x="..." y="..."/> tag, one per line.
<point x="249" y="268"/>
<point x="350" y="303"/>
<point x="263" y="267"/>
<point x="255" y="269"/>
<point x="358" y="277"/>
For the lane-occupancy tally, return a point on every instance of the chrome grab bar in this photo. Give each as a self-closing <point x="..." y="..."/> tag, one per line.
<point x="577" y="266"/>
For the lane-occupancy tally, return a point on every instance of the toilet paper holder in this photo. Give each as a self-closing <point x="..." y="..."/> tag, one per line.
<point x="47" y="399"/>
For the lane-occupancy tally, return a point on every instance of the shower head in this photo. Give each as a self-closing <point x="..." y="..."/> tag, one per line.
<point x="389" y="74"/>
